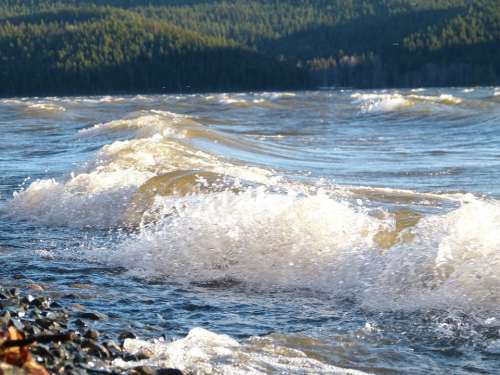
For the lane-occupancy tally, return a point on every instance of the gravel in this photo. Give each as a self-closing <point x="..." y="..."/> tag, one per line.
<point x="64" y="340"/>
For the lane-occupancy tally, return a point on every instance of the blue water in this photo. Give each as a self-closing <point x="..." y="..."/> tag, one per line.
<point x="359" y="228"/>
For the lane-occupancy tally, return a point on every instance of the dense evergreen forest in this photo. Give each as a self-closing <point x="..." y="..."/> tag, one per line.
<point x="106" y="46"/>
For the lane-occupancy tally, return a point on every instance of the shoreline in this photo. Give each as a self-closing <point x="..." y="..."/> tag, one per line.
<point x="238" y="91"/>
<point x="62" y="339"/>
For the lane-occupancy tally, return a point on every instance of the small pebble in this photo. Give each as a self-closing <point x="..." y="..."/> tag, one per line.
<point x="91" y="334"/>
<point x="126" y="335"/>
<point x="35" y="287"/>
<point x="68" y="353"/>
<point x="168" y="371"/>
<point x="80" y="323"/>
<point x="143" y="370"/>
<point x="91" y="315"/>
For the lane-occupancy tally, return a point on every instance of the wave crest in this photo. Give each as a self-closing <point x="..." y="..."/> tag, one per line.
<point x="382" y="102"/>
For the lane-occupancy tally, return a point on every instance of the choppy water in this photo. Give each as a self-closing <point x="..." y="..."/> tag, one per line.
<point x="304" y="232"/>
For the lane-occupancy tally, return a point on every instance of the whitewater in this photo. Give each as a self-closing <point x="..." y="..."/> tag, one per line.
<point x="321" y="232"/>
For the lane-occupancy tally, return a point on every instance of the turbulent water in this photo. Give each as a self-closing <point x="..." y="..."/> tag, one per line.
<point x="322" y="232"/>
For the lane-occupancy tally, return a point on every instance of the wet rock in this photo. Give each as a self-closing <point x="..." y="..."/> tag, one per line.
<point x="112" y="347"/>
<point x="44" y="323"/>
<point x="56" y="305"/>
<point x="27" y="300"/>
<point x="5" y="317"/>
<point x="91" y="315"/>
<point x="35" y="287"/>
<point x="142" y="370"/>
<point x="33" y="330"/>
<point x="140" y="355"/>
<point x="129" y="357"/>
<point x="64" y="352"/>
<point x="91" y="334"/>
<point x="126" y="335"/>
<point x="42" y="350"/>
<point x="41" y="302"/>
<point x="52" y="315"/>
<point x="10" y="370"/>
<point x="96" y="349"/>
<point x="59" y="353"/>
<point x="17" y="323"/>
<point x="168" y="371"/>
<point x="80" y="323"/>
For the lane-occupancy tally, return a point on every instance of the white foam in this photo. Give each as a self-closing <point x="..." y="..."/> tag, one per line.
<point x="101" y="189"/>
<point x="247" y="100"/>
<point x="381" y="102"/>
<point x="56" y="204"/>
<point x="205" y="352"/>
<point x="141" y="124"/>
<point x="289" y="238"/>
<point x="453" y="263"/>
<point x="388" y="102"/>
<point x="48" y="107"/>
<point x="256" y="236"/>
<point x="11" y="101"/>
<point x="226" y="99"/>
<point x="277" y="95"/>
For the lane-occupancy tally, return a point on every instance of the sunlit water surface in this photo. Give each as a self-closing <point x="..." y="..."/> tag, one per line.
<point x="319" y="231"/>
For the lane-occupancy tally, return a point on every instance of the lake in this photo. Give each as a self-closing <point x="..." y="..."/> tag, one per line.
<point x="332" y="231"/>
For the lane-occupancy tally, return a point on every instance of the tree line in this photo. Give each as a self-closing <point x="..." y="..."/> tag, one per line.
<point x="104" y="46"/>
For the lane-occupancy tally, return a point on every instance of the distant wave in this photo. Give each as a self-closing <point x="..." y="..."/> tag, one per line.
<point x="35" y="107"/>
<point x="385" y="102"/>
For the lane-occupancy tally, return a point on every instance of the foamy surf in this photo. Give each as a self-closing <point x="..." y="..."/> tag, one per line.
<point x="385" y="102"/>
<point x="202" y="218"/>
<point x="384" y="262"/>
<point x="159" y="143"/>
<point x="36" y="107"/>
<point x="205" y="352"/>
<point x="363" y="241"/>
<point x="45" y="107"/>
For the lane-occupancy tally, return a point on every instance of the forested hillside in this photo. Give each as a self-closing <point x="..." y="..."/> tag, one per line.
<point x="87" y="46"/>
<point x="93" y="50"/>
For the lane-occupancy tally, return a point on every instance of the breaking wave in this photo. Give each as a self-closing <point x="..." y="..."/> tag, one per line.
<point x="36" y="108"/>
<point x="198" y="217"/>
<point x="383" y="260"/>
<point x="205" y="352"/>
<point x="156" y="143"/>
<point x="385" y="102"/>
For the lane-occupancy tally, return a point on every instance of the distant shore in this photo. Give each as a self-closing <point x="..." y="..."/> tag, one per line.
<point x="102" y="47"/>
<point x="235" y="91"/>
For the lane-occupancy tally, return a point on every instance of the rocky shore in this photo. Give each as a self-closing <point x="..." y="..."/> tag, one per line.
<point x="61" y="340"/>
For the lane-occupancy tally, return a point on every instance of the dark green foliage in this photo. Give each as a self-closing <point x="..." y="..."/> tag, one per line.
<point x="91" y="46"/>
<point x="97" y="50"/>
